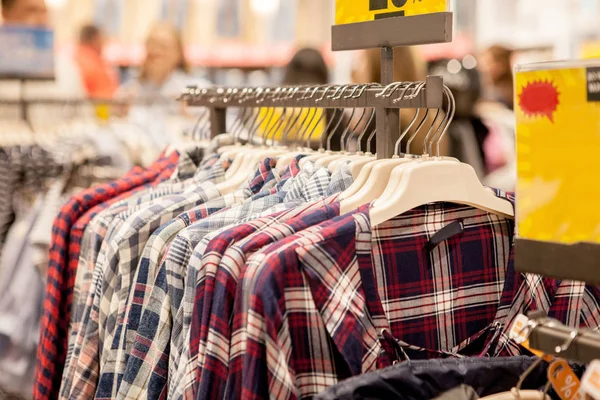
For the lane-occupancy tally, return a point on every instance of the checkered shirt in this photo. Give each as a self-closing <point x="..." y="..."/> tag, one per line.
<point x="111" y="280"/>
<point x="102" y="230"/>
<point x="224" y="261"/>
<point x="575" y="304"/>
<point x="264" y="178"/>
<point x="183" y="384"/>
<point x="160" y="339"/>
<point x="169" y="291"/>
<point x="63" y="257"/>
<point x="317" y="307"/>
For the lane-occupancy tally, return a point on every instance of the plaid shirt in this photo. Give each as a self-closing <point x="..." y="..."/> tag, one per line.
<point x="575" y="304"/>
<point x="61" y="275"/>
<point x="226" y="256"/>
<point x="317" y="306"/>
<point x="118" y="257"/>
<point x="183" y="384"/>
<point x="100" y="233"/>
<point x="161" y="338"/>
<point x="265" y="177"/>
<point x="168" y="292"/>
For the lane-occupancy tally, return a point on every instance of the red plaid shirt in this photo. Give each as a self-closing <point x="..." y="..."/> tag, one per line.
<point x="216" y="294"/>
<point x="62" y="266"/>
<point x="313" y="310"/>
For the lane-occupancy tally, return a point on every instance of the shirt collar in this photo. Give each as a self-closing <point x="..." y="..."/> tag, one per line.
<point x="264" y="173"/>
<point x="341" y="180"/>
<point x="294" y="168"/>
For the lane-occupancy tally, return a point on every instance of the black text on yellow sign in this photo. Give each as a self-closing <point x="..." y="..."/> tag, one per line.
<point x="349" y="11"/>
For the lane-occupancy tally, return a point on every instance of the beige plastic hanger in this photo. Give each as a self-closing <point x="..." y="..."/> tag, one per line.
<point x="253" y="157"/>
<point x="374" y="177"/>
<point x="434" y="179"/>
<point x="241" y="155"/>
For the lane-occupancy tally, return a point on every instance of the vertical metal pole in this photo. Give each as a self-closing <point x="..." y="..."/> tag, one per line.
<point x="218" y="121"/>
<point x="388" y="119"/>
<point x="24" y="104"/>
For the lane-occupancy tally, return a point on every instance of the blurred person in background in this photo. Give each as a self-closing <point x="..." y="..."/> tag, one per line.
<point x="468" y="133"/>
<point x="409" y="66"/>
<point x="307" y="67"/>
<point x="496" y="109"/>
<point x="25" y="12"/>
<point x="165" y="72"/>
<point x="153" y="94"/>
<point x="99" y="78"/>
<point x="67" y="84"/>
<point x="496" y="65"/>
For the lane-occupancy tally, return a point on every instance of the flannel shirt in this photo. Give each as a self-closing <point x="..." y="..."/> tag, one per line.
<point x="317" y="307"/>
<point x="112" y="279"/>
<point x="228" y="252"/>
<point x="100" y="233"/>
<point x="160" y="298"/>
<point x="94" y="223"/>
<point x="184" y="383"/>
<point x="264" y="178"/>
<point x="52" y="348"/>
<point x="168" y="291"/>
<point x="575" y="304"/>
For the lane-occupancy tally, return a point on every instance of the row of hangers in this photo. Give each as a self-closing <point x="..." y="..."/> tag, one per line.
<point x="393" y="186"/>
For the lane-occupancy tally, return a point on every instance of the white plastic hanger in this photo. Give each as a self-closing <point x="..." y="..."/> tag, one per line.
<point x="434" y="179"/>
<point x="251" y="159"/>
<point x="368" y="188"/>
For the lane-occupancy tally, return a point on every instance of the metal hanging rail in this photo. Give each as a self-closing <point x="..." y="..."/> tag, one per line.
<point x="427" y="94"/>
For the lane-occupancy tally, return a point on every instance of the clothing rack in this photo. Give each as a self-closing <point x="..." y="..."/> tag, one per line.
<point x="427" y="94"/>
<point x="384" y="33"/>
<point x="548" y="337"/>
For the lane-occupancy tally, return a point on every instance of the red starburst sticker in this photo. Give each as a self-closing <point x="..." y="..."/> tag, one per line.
<point x="539" y="98"/>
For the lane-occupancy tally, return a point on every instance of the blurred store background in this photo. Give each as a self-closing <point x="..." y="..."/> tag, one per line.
<point x="248" y="41"/>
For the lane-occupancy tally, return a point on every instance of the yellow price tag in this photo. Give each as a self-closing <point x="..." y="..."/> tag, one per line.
<point x="558" y="120"/>
<point x="350" y="11"/>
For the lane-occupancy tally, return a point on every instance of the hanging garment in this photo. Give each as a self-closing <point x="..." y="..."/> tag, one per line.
<point x="421" y="380"/>
<point x="125" y="240"/>
<point x="61" y="273"/>
<point x="445" y="300"/>
<point x="306" y="190"/>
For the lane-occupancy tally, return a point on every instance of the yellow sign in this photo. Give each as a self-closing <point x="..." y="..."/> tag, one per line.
<point x="349" y="11"/>
<point x="558" y="152"/>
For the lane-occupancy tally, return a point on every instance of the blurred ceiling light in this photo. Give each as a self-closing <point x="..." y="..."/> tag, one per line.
<point x="56" y="3"/>
<point x="264" y="7"/>
<point x="454" y="66"/>
<point x="469" y="62"/>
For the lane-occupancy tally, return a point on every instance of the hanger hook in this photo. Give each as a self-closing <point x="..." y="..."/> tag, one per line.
<point x="427" y="144"/>
<point x="322" y="115"/>
<point x="364" y="132"/>
<point x="391" y="88"/>
<point x="448" y="121"/>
